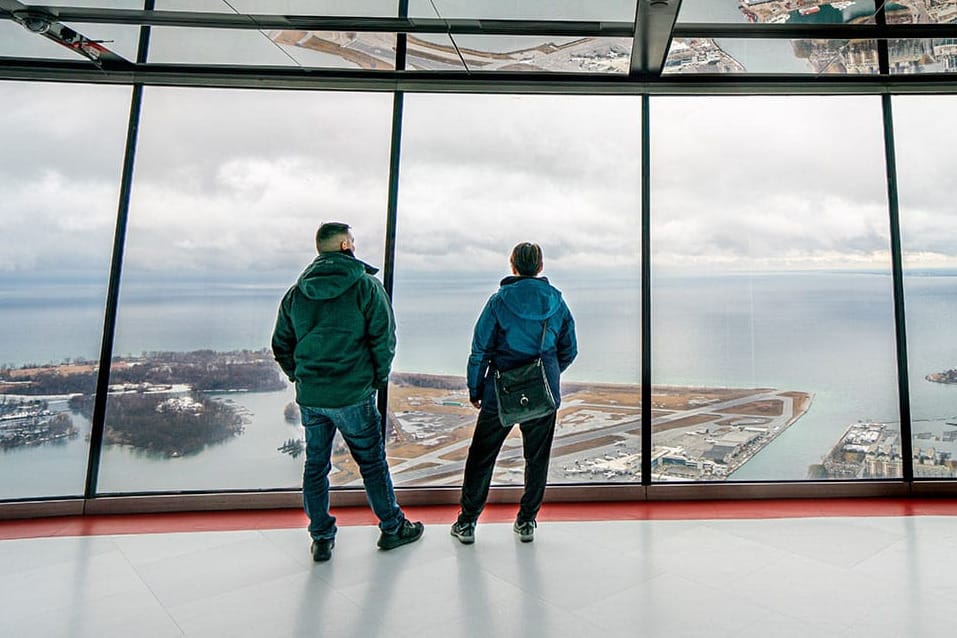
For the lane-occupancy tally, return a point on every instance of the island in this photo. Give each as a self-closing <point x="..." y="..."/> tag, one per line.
<point x="161" y="402"/>
<point x="30" y="422"/>
<point x="947" y="376"/>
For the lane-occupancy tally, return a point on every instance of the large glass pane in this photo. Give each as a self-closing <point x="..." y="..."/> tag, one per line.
<point x="773" y="333"/>
<point x="230" y="187"/>
<point x="926" y="153"/>
<point x="59" y="174"/>
<point x="479" y="175"/>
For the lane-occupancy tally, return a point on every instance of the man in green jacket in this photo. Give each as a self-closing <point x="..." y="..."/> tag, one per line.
<point x="335" y="339"/>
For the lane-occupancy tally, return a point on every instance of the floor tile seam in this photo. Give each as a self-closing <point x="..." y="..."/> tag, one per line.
<point x="739" y="588"/>
<point x="233" y="588"/>
<point x="152" y="592"/>
<point x="884" y="549"/>
<point x="759" y="603"/>
<point x="799" y="619"/>
<point x="595" y="618"/>
<point x="307" y="570"/>
<point x="158" y="602"/>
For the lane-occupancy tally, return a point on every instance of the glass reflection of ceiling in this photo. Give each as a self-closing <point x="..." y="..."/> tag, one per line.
<point x="585" y="10"/>
<point x="722" y="53"/>
<point x="476" y="53"/>
<point x="308" y="49"/>
<point x="356" y="8"/>
<point x="120" y="39"/>
<point x="923" y="56"/>
<point x="776" y="56"/>
<point x="780" y="11"/>
<point x="15" y="41"/>
<point x="925" y="12"/>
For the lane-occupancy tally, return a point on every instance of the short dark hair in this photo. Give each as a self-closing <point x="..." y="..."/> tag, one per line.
<point x="330" y="230"/>
<point x="527" y="259"/>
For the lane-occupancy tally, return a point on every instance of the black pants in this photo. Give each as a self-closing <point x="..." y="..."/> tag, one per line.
<point x="486" y="443"/>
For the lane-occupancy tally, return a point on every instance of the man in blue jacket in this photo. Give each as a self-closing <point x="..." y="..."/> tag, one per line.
<point x="335" y="339"/>
<point x="509" y="333"/>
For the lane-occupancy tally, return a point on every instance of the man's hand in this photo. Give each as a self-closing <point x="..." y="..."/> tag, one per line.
<point x="477" y="404"/>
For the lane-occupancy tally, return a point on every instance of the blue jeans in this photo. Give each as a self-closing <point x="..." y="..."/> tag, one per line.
<point x="359" y="425"/>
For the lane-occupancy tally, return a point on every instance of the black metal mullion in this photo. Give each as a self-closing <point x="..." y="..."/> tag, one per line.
<point x="98" y="420"/>
<point x="897" y="271"/>
<point x="392" y="206"/>
<point x="646" y="438"/>
<point x="883" y="54"/>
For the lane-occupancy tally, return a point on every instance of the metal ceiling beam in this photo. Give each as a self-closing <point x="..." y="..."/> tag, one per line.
<point x="659" y="16"/>
<point x="196" y="19"/>
<point x="654" y="23"/>
<point x="462" y="82"/>
<point x="815" y="31"/>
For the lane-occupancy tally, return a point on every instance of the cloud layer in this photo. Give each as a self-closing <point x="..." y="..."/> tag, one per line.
<point x="230" y="181"/>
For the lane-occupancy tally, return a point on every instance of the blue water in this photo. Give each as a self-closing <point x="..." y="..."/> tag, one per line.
<point x="827" y="333"/>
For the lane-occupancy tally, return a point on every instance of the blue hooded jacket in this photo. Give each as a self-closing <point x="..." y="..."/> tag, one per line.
<point x="508" y="333"/>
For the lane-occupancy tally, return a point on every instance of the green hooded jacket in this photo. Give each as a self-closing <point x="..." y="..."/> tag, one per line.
<point x="335" y="333"/>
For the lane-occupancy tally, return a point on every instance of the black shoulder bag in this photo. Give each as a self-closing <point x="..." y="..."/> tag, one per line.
<point x="523" y="393"/>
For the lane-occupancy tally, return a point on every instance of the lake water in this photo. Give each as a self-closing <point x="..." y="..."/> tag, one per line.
<point x="827" y="333"/>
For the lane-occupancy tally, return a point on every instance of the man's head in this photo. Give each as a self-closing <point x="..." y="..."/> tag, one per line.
<point x="526" y="259"/>
<point x="333" y="237"/>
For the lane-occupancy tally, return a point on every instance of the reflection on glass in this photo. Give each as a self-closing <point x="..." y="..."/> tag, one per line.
<point x="315" y="49"/>
<point x="778" y="11"/>
<point x="16" y="41"/>
<point x="230" y="187"/>
<point x="60" y="179"/>
<point x="727" y="55"/>
<point x="604" y="10"/>
<point x="367" y="8"/>
<point x="773" y="327"/>
<point x="121" y="40"/>
<point x="922" y="12"/>
<point x="479" y="175"/>
<point x="923" y="56"/>
<point x="520" y="53"/>
<point x="925" y="155"/>
<point x="338" y="49"/>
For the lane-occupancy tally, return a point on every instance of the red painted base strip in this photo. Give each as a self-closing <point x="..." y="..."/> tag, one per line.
<point x="445" y="514"/>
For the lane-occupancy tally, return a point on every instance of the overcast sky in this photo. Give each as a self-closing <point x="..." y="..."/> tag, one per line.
<point x="237" y="181"/>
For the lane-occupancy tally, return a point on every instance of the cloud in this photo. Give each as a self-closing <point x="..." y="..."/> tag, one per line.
<point x="51" y="223"/>
<point x="231" y="181"/>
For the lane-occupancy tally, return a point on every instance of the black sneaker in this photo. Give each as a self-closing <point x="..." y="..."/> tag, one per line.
<point x="464" y="531"/>
<point x="322" y="549"/>
<point x="407" y="533"/>
<point x="525" y="530"/>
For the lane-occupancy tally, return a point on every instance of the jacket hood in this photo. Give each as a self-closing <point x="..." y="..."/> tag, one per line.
<point x="331" y="274"/>
<point x="530" y="298"/>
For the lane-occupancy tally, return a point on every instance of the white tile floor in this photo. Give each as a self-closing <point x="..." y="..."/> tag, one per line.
<point x="867" y="577"/>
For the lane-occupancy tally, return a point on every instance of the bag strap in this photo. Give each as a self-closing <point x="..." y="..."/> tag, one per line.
<point x="541" y="346"/>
